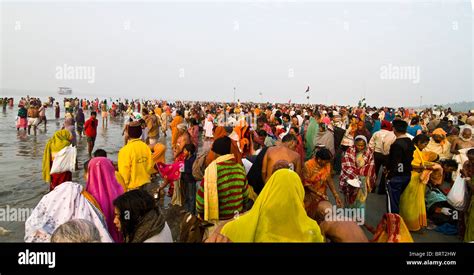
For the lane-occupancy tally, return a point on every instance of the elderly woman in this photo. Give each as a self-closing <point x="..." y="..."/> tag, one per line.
<point x="139" y="219"/>
<point x="439" y="144"/>
<point x="69" y="125"/>
<point x="358" y="173"/>
<point x="66" y="202"/>
<point x="76" y="231"/>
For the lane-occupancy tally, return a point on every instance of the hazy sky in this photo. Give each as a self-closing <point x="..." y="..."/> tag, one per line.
<point x="202" y="50"/>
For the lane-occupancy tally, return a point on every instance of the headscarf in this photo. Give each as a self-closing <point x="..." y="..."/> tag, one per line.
<point x="310" y="137"/>
<point x="62" y="204"/>
<point x="159" y="153"/>
<point x="55" y="144"/>
<point x="440" y="132"/>
<point x="386" y="125"/>
<point x="361" y="137"/>
<point x="182" y="127"/>
<point x="280" y="200"/>
<point x="103" y="186"/>
<point x="219" y="132"/>
<point x="392" y="229"/>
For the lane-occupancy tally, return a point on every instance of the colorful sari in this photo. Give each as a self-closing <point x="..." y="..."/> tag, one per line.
<point x="103" y="186"/>
<point x="412" y="200"/>
<point x="282" y="194"/>
<point x="315" y="182"/>
<point x="159" y="153"/>
<point x="357" y="165"/>
<point x="392" y="229"/>
<point x="171" y="172"/>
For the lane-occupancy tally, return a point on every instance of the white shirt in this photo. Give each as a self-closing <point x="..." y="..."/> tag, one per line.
<point x="208" y="126"/>
<point x="381" y="141"/>
<point x="300" y="120"/>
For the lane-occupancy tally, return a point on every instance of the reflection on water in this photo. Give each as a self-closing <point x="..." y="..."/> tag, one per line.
<point x="23" y="149"/>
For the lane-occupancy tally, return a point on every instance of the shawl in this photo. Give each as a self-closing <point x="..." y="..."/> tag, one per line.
<point x="282" y="194"/>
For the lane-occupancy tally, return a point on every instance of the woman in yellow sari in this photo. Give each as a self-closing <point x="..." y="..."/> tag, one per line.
<point x="278" y="214"/>
<point x="412" y="201"/>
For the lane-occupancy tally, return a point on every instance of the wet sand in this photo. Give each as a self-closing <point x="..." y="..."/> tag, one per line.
<point x="21" y="184"/>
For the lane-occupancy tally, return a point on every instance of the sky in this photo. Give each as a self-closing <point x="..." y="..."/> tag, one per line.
<point x="393" y="53"/>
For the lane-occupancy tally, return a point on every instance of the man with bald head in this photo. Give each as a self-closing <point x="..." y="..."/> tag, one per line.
<point x="286" y="151"/>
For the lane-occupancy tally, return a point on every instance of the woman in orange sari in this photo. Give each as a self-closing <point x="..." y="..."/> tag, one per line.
<point x="177" y="120"/>
<point x="317" y="178"/>
<point x="234" y="149"/>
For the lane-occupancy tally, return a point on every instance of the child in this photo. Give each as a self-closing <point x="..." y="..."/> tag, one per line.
<point x="194" y="132"/>
<point x="187" y="179"/>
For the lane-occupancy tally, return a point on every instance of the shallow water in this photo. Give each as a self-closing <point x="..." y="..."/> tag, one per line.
<point x="21" y="183"/>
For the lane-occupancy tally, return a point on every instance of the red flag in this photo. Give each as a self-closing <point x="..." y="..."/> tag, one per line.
<point x="307" y="89"/>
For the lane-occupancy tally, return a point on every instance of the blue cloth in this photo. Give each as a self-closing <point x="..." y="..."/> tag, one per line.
<point x="413" y="129"/>
<point x="377" y="126"/>
<point x="447" y="229"/>
<point x="389" y="116"/>
<point x="433" y="196"/>
<point x="394" y="188"/>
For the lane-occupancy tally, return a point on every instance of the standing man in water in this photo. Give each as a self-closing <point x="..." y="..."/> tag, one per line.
<point x="90" y="129"/>
<point x="42" y="114"/>
<point x="33" y="117"/>
<point x="56" y="110"/>
<point x="105" y="114"/>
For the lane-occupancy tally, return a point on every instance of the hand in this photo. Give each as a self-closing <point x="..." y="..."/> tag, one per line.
<point x="446" y="211"/>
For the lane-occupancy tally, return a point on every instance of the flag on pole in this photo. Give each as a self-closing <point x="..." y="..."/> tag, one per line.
<point x="289" y="101"/>
<point x="307" y="89"/>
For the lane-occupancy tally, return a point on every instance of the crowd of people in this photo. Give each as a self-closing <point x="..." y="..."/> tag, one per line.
<point x="264" y="164"/>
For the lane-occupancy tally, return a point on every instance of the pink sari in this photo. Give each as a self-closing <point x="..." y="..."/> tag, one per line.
<point x="103" y="186"/>
<point x="171" y="172"/>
